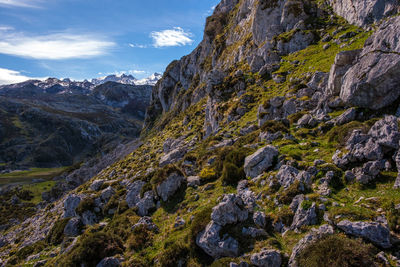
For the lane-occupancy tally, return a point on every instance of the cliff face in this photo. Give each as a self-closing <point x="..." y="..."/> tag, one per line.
<point x="274" y="143"/>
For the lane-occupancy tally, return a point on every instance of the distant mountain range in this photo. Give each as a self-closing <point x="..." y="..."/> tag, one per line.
<point x="60" y="122"/>
<point x="128" y="79"/>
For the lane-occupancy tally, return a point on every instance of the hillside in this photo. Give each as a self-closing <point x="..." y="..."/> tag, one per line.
<point x="60" y="123"/>
<point x="274" y="143"/>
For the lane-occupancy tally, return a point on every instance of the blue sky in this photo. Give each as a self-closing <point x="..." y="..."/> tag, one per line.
<point x="91" y="38"/>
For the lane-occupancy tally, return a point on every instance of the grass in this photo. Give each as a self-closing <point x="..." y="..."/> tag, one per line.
<point x="29" y="175"/>
<point x="37" y="190"/>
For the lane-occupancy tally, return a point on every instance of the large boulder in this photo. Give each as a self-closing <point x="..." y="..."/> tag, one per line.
<point x="304" y="216"/>
<point x="230" y="210"/>
<point x="260" y="161"/>
<point x="373" y="80"/>
<point x="168" y="187"/>
<point x="215" y="246"/>
<point x="343" y="62"/>
<point x="70" y="204"/>
<point x="374" y="232"/>
<point x="73" y="227"/>
<point x="313" y="236"/>
<point x="362" y="13"/>
<point x="288" y="175"/>
<point x="133" y="198"/>
<point x="267" y="258"/>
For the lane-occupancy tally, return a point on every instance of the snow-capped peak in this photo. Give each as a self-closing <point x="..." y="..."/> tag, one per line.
<point x="151" y="80"/>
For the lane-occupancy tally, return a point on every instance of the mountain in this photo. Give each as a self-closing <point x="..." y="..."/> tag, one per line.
<point x="274" y="143"/>
<point x="128" y="79"/>
<point x="151" y="80"/>
<point x="58" y="123"/>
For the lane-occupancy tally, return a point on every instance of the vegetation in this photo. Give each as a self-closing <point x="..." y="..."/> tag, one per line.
<point x="337" y="251"/>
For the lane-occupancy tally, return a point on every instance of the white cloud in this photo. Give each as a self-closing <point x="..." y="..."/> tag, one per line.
<point x="137" y="46"/>
<point x="20" y="3"/>
<point x="53" y="46"/>
<point x="175" y="37"/>
<point x="11" y="76"/>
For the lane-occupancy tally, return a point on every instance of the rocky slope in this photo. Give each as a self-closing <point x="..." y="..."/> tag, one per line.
<point x="274" y="143"/>
<point x="58" y="123"/>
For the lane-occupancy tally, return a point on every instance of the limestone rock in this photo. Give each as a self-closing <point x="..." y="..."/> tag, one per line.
<point x="259" y="219"/>
<point x="147" y="222"/>
<point x="210" y="241"/>
<point x="362" y="13"/>
<point x="89" y="218"/>
<point x="313" y="236"/>
<point x="304" y="216"/>
<point x="254" y="232"/>
<point x="375" y="232"/>
<point x="348" y="116"/>
<point x="373" y="80"/>
<point x="133" y="198"/>
<point x="267" y="258"/>
<point x="342" y="64"/>
<point x="70" y="205"/>
<point x="260" y="161"/>
<point x="193" y="181"/>
<point x="96" y="185"/>
<point x="106" y="194"/>
<point x="73" y="227"/>
<point x="230" y="210"/>
<point x="168" y="187"/>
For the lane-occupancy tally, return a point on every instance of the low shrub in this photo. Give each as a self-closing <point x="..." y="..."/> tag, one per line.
<point x="208" y="174"/>
<point x="24" y="252"/>
<point x="174" y="254"/>
<point x="199" y="223"/>
<point x="140" y="238"/>
<point x="231" y="174"/>
<point x="274" y="127"/>
<point x="56" y="234"/>
<point x="394" y="218"/>
<point x="337" y="251"/>
<point x="161" y="174"/>
<point x="92" y="248"/>
<point x="84" y="205"/>
<point x="286" y="196"/>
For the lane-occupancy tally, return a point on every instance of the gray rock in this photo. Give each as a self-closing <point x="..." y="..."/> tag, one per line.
<point x="230" y="210"/>
<point x="147" y="222"/>
<point x="385" y="132"/>
<point x="369" y="171"/>
<point x="2" y="242"/>
<point x="173" y="156"/>
<point x="107" y="193"/>
<point x="215" y="246"/>
<point x="96" y="185"/>
<point x="304" y="217"/>
<point x="73" y="227"/>
<point x="168" y="187"/>
<point x="373" y="79"/>
<point x="70" y="204"/>
<point x="260" y="161"/>
<point x="287" y="175"/>
<point x="40" y="263"/>
<point x="248" y="129"/>
<point x="269" y="137"/>
<point x="193" y="181"/>
<point x="109" y="262"/>
<point x="348" y="116"/>
<point x="259" y="219"/>
<point x="349" y="176"/>
<point x="318" y="81"/>
<point x="313" y="236"/>
<point x="267" y="258"/>
<point x="297" y="200"/>
<point x="179" y="222"/>
<point x="342" y="64"/>
<point x="362" y="13"/>
<point x="145" y="203"/>
<point x="374" y="232"/>
<point x="89" y="218"/>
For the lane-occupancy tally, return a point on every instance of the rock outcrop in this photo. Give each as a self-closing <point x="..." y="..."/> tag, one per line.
<point x="363" y="13"/>
<point x="260" y="161"/>
<point x="267" y="258"/>
<point x="373" y="79"/>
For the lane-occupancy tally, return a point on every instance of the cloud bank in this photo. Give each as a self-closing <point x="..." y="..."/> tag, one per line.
<point x="20" y="3"/>
<point x="52" y="47"/>
<point x="175" y="37"/>
<point x="11" y="76"/>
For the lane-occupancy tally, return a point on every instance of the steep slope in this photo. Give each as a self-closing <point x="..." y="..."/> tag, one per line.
<point x="255" y="152"/>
